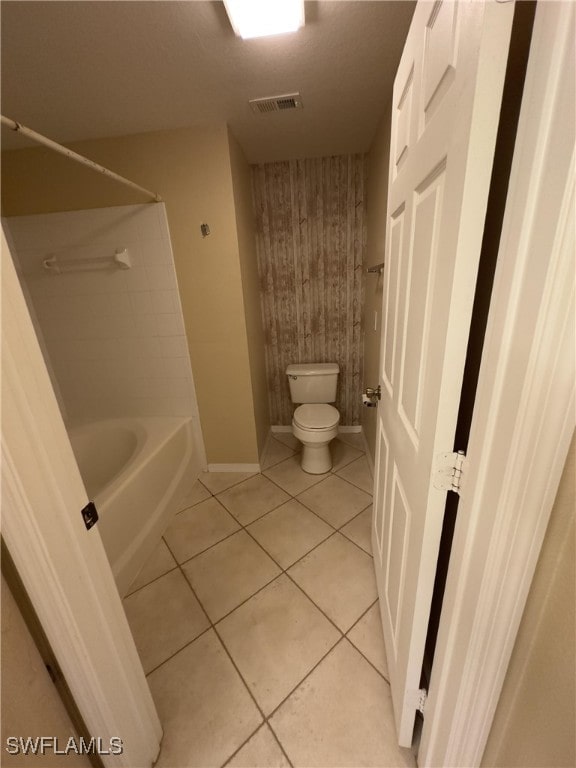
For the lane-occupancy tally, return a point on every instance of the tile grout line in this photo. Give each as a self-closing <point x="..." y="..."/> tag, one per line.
<point x="370" y="555"/>
<point x="233" y="485"/>
<point x="294" y="453"/>
<point x="284" y="700"/>
<point x="266" y="718"/>
<point x="284" y="750"/>
<point x="256" y="518"/>
<point x="168" y="658"/>
<point x="229" y="655"/>
<point x="358" y="620"/>
<point x="293" y="495"/>
<point x="306" y="676"/>
<point x="260" y="589"/>
<point x="213" y="627"/>
<point x="324" y="476"/>
<point x="283" y="571"/>
<point x="262" y="725"/>
<point x="352" y="445"/>
<point x="296" y="498"/>
<point x="337" y="530"/>
<point x="354" y="485"/>
<point x="195" y="503"/>
<point x="184" y="562"/>
<point x="152" y="581"/>
<point x="299" y="450"/>
<point x="332" y="472"/>
<point x="244" y="527"/>
<point x="367" y="660"/>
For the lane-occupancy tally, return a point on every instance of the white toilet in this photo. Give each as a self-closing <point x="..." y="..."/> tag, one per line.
<point x="315" y="423"/>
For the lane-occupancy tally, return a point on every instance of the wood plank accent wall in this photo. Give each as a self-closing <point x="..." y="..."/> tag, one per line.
<point x="310" y="236"/>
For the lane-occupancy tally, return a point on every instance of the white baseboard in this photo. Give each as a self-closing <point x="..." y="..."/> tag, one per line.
<point x="280" y="429"/>
<point x="233" y="467"/>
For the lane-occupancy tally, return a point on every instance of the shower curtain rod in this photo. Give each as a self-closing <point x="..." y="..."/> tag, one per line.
<point x="15" y="126"/>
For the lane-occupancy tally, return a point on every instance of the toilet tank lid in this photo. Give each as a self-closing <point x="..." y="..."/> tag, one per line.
<point x="312" y="369"/>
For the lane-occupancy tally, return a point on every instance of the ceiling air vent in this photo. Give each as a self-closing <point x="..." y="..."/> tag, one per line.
<point x="276" y="103"/>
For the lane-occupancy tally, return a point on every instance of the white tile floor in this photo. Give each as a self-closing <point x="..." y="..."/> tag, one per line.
<point x="257" y="622"/>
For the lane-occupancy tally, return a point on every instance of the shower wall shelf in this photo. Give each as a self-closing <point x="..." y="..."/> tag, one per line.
<point x="119" y="260"/>
<point x="377" y="268"/>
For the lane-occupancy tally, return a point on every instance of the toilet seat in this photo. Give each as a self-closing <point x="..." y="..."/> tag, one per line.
<point x="316" y="416"/>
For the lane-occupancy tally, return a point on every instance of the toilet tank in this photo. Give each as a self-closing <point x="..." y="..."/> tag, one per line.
<point x="313" y="382"/>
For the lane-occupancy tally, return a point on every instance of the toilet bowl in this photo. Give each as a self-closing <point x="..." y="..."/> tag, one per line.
<point x="315" y="422"/>
<point x="315" y="425"/>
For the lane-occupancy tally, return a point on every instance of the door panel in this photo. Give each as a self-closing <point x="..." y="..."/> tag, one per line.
<point x="397" y="541"/>
<point x="427" y="211"/>
<point x="439" y="59"/>
<point x="446" y="105"/>
<point x="392" y="277"/>
<point x="382" y="452"/>
<point x="403" y="117"/>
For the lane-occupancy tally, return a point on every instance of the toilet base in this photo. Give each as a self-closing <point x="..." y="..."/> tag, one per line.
<point x="316" y="458"/>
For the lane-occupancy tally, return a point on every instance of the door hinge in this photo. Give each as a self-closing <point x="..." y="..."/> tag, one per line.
<point x="450" y="468"/>
<point x="421" y="700"/>
<point x="416" y="698"/>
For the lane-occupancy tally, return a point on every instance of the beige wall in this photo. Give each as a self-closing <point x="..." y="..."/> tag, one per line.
<point x="534" y="725"/>
<point x="246" y="229"/>
<point x="377" y="196"/>
<point x="190" y="169"/>
<point x="31" y="705"/>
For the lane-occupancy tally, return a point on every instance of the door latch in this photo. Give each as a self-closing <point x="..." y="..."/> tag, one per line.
<point x="90" y="515"/>
<point x="371" y="396"/>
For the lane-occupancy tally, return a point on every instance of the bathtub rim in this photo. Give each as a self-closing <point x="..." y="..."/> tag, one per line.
<point x="147" y="429"/>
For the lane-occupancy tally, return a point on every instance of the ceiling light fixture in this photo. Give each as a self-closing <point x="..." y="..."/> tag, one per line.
<point x="259" y="18"/>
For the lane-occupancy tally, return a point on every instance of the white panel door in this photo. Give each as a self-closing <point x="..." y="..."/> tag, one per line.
<point x="446" y="104"/>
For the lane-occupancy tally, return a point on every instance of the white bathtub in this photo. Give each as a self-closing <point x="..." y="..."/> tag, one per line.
<point x="136" y="471"/>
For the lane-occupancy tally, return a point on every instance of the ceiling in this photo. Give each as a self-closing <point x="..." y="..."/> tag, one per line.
<point x="84" y="69"/>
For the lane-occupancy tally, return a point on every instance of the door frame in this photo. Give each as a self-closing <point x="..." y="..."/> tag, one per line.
<point x="524" y="414"/>
<point x="63" y="566"/>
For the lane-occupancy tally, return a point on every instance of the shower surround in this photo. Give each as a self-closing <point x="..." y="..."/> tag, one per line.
<point x="113" y="339"/>
<point x="310" y="235"/>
